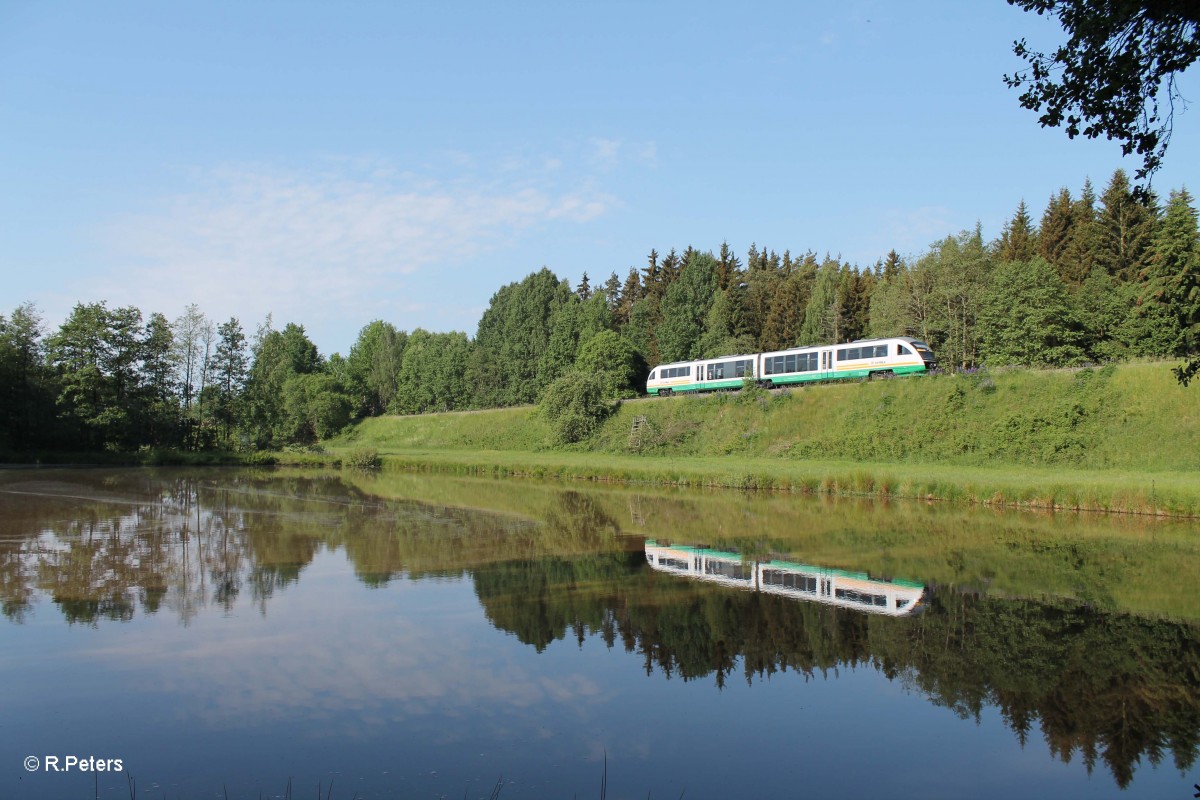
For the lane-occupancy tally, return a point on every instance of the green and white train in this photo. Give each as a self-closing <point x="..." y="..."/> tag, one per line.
<point x="855" y="590"/>
<point x="901" y="355"/>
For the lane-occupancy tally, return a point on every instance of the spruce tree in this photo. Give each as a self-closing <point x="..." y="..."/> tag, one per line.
<point x="1080" y="253"/>
<point x="892" y="265"/>
<point x="612" y="291"/>
<point x="1018" y="242"/>
<point x="729" y="268"/>
<point x="631" y="292"/>
<point x="651" y="275"/>
<point x="785" y="316"/>
<point x="1171" y="278"/>
<point x="1055" y="231"/>
<point x="1125" y="227"/>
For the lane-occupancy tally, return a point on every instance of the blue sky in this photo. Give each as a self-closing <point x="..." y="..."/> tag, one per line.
<point x="335" y="163"/>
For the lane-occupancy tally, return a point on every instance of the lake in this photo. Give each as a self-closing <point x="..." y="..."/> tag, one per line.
<point x="391" y="635"/>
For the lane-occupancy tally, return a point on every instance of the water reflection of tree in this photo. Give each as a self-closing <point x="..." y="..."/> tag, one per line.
<point x="101" y="549"/>
<point x="1103" y="687"/>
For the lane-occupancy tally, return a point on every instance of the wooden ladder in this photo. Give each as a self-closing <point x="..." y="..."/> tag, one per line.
<point x="635" y="432"/>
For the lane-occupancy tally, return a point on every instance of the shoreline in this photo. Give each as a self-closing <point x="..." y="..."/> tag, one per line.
<point x="1165" y="494"/>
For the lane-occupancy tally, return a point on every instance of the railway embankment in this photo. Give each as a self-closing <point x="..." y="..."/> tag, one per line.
<point x="1118" y="438"/>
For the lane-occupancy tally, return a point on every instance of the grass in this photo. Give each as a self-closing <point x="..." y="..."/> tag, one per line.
<point x="1124" y="491"/>
<point x="1122" y="439"/>
<point x="1131" y="564"/>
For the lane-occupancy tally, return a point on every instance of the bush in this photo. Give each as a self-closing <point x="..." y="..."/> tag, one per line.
<point x="363" y="458"/>
<point x="575" y="406"/>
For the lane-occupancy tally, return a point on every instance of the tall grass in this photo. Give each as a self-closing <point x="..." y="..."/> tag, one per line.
<point x="1121" y="439"/>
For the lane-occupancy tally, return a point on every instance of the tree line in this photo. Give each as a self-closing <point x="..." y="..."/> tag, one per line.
<point x="1096" y="279"/>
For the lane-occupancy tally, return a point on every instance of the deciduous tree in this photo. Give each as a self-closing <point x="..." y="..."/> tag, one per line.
<point x="1107" y="78"/>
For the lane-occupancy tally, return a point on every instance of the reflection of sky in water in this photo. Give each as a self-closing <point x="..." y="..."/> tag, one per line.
<point x="406" y="689"/>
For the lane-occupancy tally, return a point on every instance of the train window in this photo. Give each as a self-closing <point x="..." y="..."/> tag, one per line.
<point x="651" y="376"/>
<point x="724" y="569"/>
<point x="790" y="580"/>
<point x="789" y="364"/>
<point x="901" y="350"/>
<point x="743" y="368"/>
<point x="864" y="598"/>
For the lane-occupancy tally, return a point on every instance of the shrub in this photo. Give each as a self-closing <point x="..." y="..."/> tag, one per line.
<point x="363" y="458"/>
<point x="575" y="406"/>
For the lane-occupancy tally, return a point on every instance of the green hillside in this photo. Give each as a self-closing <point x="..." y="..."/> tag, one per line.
<point x="1124" y="437"/>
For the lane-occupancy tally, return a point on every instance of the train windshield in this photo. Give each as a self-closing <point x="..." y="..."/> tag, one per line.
<point x="922" y="348"/>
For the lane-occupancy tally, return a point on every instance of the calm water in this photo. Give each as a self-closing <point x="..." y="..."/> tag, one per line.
<point x="416" y="637"/>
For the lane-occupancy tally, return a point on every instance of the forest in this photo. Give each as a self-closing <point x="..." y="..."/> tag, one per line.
<point x="1097" y="279"/>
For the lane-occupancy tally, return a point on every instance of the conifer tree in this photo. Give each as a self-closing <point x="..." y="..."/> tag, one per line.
<point x="1125" y="227"/>
<point x="584" y="290"/>
<point x="651" y="275"/>
<point x="1018" y="242"/>
<point x="670" y="270"/>
<point x="729" y="268"/>
<point x="760" y="289"/>
<point x="612" y="291"/>
<point x="892" y="265"/>
<point x="1055" y="231"/>
<point x="785" y="315"/>
<point x="631" y="292"/>
<point x="1171" y="277"/>
<point x="854" y="302"/>
<point x="1083" y="241"/>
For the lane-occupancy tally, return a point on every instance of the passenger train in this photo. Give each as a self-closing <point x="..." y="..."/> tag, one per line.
<point x="901" y="355"/>
<point x="835" y="587"/>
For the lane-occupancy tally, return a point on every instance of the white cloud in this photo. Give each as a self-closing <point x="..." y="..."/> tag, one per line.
<point x="910" y="232"/>
<point x="309" y="244"/>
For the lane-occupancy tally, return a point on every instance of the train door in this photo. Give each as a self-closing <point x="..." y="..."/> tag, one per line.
<point x="826" y="360"/>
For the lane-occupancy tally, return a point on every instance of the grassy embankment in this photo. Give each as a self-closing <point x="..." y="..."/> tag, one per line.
<point x="1121" y="438"/>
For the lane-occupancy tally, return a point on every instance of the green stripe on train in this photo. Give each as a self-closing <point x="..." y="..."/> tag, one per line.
<point x="840" y="573"/>
<point x="784" y="380"/>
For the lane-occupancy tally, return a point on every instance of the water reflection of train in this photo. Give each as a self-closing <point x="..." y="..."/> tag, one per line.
<point x="836" y="587"/>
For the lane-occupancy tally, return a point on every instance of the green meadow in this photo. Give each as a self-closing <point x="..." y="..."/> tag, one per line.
<point x="1117" y="438"/>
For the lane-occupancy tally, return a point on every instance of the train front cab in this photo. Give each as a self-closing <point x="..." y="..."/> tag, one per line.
<point x="670" y="378"/>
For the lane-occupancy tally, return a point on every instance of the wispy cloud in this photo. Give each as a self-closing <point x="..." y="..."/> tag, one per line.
<point x="254" y="239"/>
<point x="910" y="232"/>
